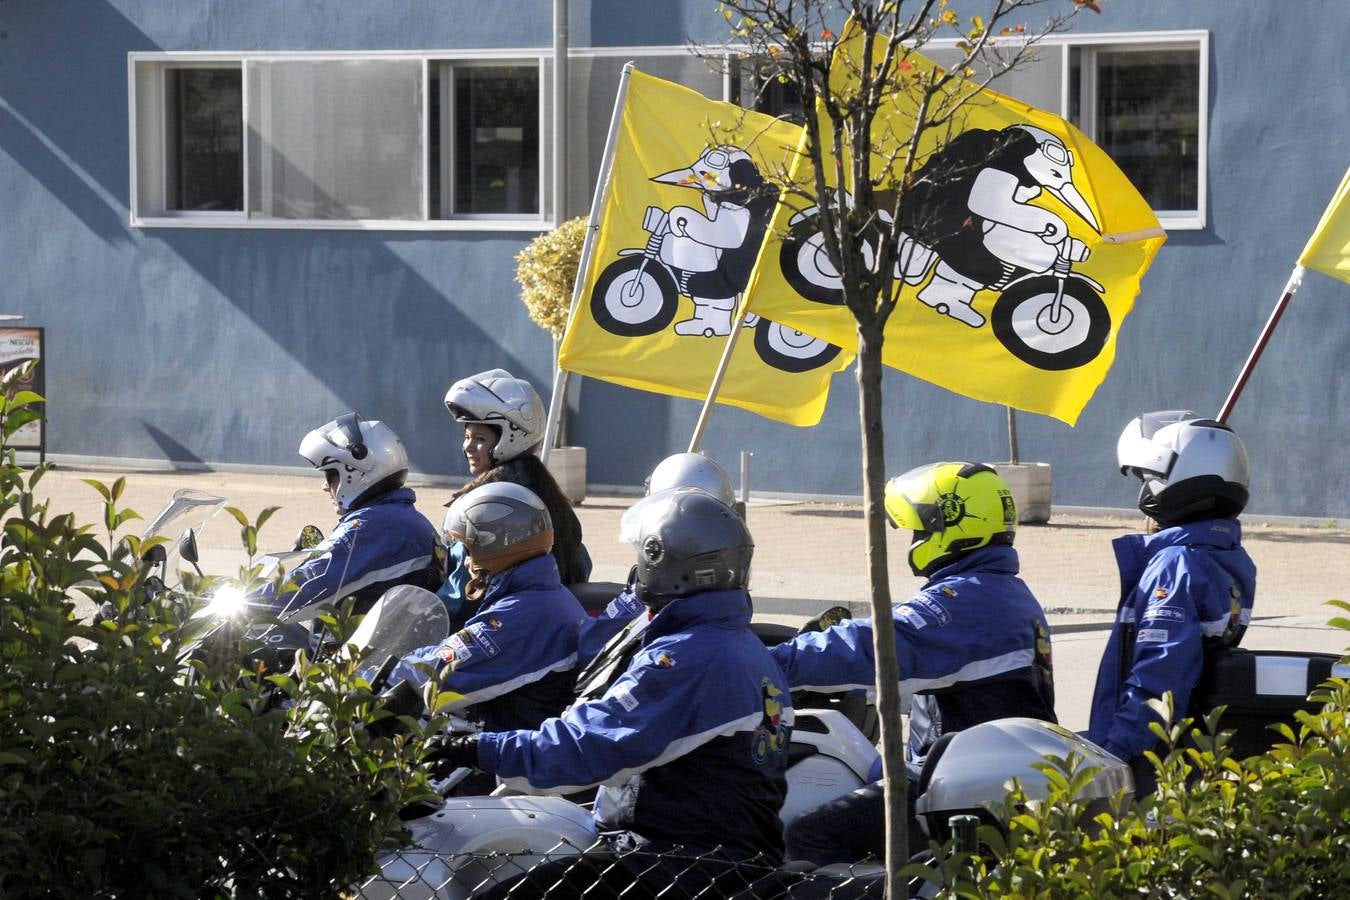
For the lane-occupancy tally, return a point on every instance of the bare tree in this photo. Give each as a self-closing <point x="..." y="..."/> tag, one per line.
<point x="866" y="153"/>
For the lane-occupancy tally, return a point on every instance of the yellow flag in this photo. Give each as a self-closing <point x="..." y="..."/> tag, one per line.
<point x="687" y="208"/>
<point x="1023" y="249"/>
<point x="1328" y="249"/>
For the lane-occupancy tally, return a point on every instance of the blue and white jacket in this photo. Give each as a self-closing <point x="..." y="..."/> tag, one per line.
<point x="971" y="646"/>
<point x="513" y="664"/>
<point x="1184" y="590"/>
<point x="373" y="548"/>
<point x="597" y="631"/>
<point x="689" y="742"/>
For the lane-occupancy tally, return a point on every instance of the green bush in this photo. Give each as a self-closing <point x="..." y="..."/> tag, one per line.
<point x="126" y="772"/>
<point x="1269" y="826"/>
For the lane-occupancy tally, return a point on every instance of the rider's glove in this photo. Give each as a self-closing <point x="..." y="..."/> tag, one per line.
<point x="829" y="618"/>
<point x="447" y="752"/>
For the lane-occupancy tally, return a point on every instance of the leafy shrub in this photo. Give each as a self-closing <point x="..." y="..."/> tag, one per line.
<point x="126" y="772"/>
<point x="547" y="270"/>
<point x="1271" y="825"/>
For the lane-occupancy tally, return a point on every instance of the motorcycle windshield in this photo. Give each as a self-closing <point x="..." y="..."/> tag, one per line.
<point x="402" y="620"/>
<point x="186" y="510"/>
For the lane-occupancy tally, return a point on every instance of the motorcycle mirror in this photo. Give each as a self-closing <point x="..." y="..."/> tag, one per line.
<point x="155" y="555"/>
<point x="187" y="548"/>
<point x="308" y="538"/>
<point x="154" y="586"/>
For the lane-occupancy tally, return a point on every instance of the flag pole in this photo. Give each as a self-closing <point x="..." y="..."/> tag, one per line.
<point x="557" y="401"/>
<point x="1295" y="280"/>
<point x="703" y="415"/>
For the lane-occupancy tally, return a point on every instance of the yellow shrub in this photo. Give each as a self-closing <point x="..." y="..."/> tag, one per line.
<point x="546" y="271"/>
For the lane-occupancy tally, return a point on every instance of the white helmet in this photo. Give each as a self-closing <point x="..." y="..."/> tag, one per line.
<point x="1191" y="468"/>
<point x="509" y="404"/>
<point x="692" y="470"/>
<point x="361" y="460"/>
<point x="501" y="524"/>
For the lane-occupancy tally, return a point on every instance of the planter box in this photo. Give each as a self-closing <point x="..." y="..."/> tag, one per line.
<point x="1030" y="486"/>
<point x="567" y="465"/>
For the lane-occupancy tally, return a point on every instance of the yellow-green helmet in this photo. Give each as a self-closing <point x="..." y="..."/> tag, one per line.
<point x="952" y="508"/>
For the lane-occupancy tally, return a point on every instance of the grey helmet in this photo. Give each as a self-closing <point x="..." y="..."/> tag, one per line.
<point x="692" y="470"/>
<point x="1190" y="468"/>
<point x="360" y="459"/>
<point x="687" y="542"/>
<point x="510" y="404"/>
<point x="500" y="524"/>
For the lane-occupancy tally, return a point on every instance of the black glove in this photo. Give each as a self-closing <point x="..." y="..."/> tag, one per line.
<point x="830" y="617"/>
<point x="447" y="752"/>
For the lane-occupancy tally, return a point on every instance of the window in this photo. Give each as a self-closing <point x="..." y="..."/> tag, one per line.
<point x="485" y="160"/>
<point x="358" y="140"/>
<point x="204" y="134"/>
<point x="1142" y="105"/>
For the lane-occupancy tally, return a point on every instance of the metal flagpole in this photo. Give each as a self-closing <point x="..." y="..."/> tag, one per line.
<point x="557" y="401"/>
<point x="1295" y="280"/>
<point x="703" y="415"/>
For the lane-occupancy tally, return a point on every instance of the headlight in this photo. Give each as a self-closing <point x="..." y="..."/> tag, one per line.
<point x="227" y="601"/>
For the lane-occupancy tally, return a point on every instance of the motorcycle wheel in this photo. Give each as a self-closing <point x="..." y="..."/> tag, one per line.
<point x="1021" y="322"/>
<point x="630" y="303"/>
<point x="806" y="266"/>
<point x="790" y="350"/>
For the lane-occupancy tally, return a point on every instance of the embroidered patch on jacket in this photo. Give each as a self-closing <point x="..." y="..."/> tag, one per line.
<point x="665" y="661"/>
<point x="771" y="735"/>
<point x="494" y="623"/>
<point x="624" y="603"/>
<point x="1160" y="594"/>
<point x="1164" y="612"/>
<point x="932" y="609"/>
<point x="478" y="633"/>
<point x="911" y="615"/>
<point x="948" y="591"/>
<point x="1151" y="635"/>
<point x="624" y="695"/>
<point x="455" y="650"/>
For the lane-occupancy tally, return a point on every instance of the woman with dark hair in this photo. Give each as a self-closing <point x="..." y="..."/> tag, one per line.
<point x="503" y="422"/>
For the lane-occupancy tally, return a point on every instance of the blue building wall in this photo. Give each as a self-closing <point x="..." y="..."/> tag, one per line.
<point x="225" y="345"/>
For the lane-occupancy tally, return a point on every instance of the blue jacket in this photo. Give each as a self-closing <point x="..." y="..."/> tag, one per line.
<point x="373" y="548"/>
<point x="971" y="646"/>
<point x="1182" y="590"/>
<point x="690" y="741"/>
<point x="514" y="662"/>
<point x="597" y="631"/>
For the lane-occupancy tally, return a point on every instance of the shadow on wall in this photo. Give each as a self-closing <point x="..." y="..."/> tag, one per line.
<point x="318" y="295"/>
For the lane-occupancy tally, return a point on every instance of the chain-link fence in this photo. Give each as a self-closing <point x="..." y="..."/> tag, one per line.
<point x="602" y="872"/>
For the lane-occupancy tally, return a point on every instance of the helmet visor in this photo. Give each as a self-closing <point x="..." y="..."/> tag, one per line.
<point x="639" y="518"/>
<point x="912" y="503"/>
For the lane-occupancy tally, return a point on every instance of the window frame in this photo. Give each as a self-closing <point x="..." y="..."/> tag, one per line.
<point x="153" y="65"/>
<point x="1091" y="44"/>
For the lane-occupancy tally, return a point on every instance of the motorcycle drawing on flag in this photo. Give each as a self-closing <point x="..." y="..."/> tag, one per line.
<point x="967" y="226"/>
<point x="705" y="257"/>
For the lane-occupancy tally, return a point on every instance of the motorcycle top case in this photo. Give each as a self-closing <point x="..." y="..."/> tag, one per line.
<point x="1261" y="688"/>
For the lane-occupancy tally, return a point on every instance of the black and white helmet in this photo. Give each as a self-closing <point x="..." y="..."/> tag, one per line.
<point x="501" y="524"/>
<point x="1190" y="468"/>
<point x="687" y="542"/>
<point x="360" y="459"/>
<point x="509" y="404"/>
<point x="692" y="470"/>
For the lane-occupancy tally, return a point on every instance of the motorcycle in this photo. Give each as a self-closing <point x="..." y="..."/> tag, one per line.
<point x="1052" y="320"/>
<point x="639" y="293"/>
<point x="465" y="843"/>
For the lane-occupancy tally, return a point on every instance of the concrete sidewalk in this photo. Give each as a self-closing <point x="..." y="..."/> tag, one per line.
<point x="812" y="555"/>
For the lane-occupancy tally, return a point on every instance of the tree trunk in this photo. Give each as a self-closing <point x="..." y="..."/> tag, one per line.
<point x="883" y="632"/>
